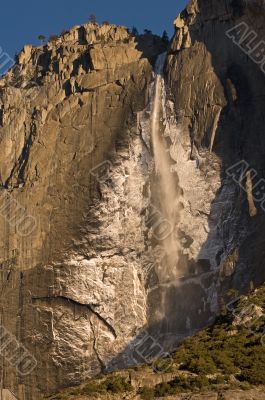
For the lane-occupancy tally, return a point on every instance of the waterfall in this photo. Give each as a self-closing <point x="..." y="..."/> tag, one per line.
<point x="180" y="291"/>
<point x="165" y="191"/>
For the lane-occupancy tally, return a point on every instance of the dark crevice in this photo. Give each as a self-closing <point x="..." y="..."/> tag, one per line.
<point x="101" y="363"/>
<point x="90" y="307"/>
<point x="22" y="162"/>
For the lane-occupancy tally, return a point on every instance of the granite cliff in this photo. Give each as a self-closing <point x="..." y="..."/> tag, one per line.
<point x="85" y="275"/>
<point x="215" y="74"/>
<point x="70" y="288"/>
<point x="224" y="361"/>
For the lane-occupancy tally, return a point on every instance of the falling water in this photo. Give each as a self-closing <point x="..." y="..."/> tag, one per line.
<point x="165" y="189"/>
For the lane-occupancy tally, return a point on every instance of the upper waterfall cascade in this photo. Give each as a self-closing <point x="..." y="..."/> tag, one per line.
<point x="165" y="188"/>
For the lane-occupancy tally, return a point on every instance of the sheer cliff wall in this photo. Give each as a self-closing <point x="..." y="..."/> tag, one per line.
<point x="215" y="72"/>
<point x="68" y="275"/>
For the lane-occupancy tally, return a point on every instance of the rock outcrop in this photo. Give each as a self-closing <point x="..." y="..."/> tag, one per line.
<point x="84" y="283"/>
<point x="217" y="82"/>
<point x="223" y="361"/>
<point x="71" y="159"/>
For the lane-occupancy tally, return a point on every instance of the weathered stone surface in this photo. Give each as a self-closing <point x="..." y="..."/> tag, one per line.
<point x="70" y="286"/>
<point x="83" y="277"/>
<point x="218" y="93"/>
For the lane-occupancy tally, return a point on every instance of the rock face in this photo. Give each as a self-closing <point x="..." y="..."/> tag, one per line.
<point x="71" y="159"/>
<point x="216" y="79"/>
<point x="83" y="280"/>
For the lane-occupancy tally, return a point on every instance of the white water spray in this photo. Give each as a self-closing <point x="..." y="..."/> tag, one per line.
<point x="165" y="189"/>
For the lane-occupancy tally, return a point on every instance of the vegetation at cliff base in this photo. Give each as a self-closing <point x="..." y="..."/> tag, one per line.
<point x="229" y="354"/>
<point x="111" y="385"/>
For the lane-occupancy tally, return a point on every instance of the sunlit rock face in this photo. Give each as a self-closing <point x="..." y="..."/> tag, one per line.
<point x="101" y="257"/>
<point x="74" y="166"/>
<point x="217" y="83"/>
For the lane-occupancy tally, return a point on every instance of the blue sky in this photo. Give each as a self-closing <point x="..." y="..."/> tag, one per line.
<point x="23" y="20"/>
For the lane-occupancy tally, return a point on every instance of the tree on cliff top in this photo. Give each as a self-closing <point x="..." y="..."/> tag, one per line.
<point x="135" y="31"/>
<point x="165" y="37"/>
<point x="92" y="19"/>
<point x="41" y="38"/>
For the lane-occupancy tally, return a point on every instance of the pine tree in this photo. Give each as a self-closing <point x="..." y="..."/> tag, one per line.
<point x="41" y="38"/>
<point x="135" y="31"/>
<point x="93" y="19"/>
<point x="165" y="37"/>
